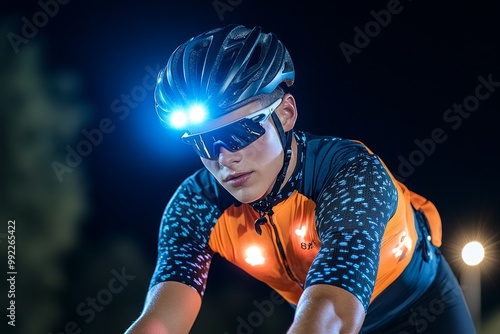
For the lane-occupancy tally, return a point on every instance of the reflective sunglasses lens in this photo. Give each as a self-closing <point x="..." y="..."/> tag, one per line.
<point x="233" y="137"/>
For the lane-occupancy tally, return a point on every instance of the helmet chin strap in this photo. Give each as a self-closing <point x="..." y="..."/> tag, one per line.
<point x="265" y="205"/>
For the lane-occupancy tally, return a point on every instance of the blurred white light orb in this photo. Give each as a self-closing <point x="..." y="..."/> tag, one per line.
<point x="473" y="253"/>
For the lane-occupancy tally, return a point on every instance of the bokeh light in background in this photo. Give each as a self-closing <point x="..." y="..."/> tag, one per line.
<point x="78" y="92"/>
<point x="473" y="253"/>
<point x="470" y="279"/>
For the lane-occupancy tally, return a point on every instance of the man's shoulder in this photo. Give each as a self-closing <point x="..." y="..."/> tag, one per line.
<point x="202" y="186"/>
<point x="324" y="157"/>
<point x="334" y="147"/>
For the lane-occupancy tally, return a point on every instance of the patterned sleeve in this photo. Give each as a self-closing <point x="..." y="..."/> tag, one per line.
<point x="352" y="213"/>
<point x="183" y="252"/>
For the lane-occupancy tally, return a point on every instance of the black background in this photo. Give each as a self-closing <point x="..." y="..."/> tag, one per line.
<point x="393" y="93"/>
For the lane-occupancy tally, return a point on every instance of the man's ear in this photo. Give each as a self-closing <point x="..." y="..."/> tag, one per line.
<point x="287" y="112"/>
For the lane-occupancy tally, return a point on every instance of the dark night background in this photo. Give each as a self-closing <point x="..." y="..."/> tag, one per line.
<point x="75" y="72"/>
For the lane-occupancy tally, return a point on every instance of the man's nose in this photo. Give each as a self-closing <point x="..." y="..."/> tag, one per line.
<point x="226" y="156"/>
<point x="216" y="147"/>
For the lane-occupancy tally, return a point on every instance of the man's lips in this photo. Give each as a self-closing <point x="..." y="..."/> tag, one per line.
<point x="237" y="179"/>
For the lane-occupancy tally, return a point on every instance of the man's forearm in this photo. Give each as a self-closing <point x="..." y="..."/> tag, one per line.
<point x="327" y="309"/>
<point x="147" y="326"/>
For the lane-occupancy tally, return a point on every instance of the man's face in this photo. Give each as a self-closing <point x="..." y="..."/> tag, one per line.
<point x="250" y="173"/>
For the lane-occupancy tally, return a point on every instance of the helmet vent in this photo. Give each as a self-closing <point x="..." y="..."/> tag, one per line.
<point x="255" y="56"/>
<point x="225" y="65"/>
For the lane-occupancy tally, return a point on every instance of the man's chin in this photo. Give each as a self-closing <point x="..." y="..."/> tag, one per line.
<point x="245" y="196"/>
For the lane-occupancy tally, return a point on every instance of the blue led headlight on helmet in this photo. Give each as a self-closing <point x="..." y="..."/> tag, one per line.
<point x="181" y="118"/>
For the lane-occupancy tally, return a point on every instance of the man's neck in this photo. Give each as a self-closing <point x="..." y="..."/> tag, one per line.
<point x="292" y="163"/>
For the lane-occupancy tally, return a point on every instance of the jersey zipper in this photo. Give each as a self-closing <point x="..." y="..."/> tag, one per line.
<point x="282" y="254"/>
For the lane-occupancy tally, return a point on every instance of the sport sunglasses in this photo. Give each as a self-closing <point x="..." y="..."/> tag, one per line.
<point x="233" y="136"/>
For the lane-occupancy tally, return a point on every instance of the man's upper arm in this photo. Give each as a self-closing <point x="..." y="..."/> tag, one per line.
<point x="352" y="214"/>
<point x="183" y="252"/>
<point x="179" y="279"/>
<point x="170" y="308"/>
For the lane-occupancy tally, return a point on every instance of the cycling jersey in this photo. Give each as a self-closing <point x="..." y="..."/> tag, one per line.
<point x="341" y="219"/>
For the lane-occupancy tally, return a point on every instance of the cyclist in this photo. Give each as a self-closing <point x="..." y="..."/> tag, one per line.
<point x="320" y="219"/>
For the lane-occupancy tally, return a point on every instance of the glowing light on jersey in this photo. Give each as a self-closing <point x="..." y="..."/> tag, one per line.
<point x="254" y="256"/>
<point x="301" y="232"/>
<point x="403" y="247"/>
